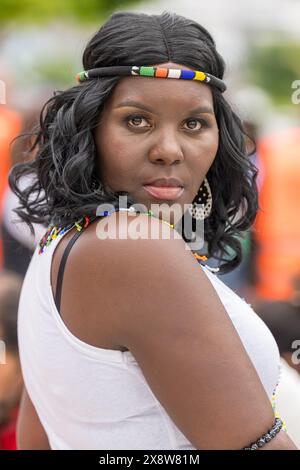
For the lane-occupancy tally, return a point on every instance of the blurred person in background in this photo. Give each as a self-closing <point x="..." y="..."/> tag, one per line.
<point x="10" y="127"/>
<point x="277" y="225"/>
<point x="17" y="241"/>
<point x="11" y="381"/>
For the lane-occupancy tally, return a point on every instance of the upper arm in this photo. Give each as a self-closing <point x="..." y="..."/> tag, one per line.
<point x="168" y="314"/>
<point x="30" y="432"/>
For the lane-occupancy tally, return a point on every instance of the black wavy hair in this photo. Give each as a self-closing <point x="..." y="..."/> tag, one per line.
<point x="64" y="186"/>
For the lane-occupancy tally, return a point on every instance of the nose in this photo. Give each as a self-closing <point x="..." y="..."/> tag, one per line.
<point x="167" y="150"/>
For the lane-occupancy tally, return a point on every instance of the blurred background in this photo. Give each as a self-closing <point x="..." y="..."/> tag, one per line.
<point x="41" y="45"/>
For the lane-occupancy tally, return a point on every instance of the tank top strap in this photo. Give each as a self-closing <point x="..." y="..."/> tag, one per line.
<point x="66" y="253"/>
<point x="67" y="250"/>
<point x="62" y="265"/>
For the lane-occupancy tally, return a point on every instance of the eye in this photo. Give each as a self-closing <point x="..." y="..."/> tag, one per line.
<point x="136" y="120"/>
<point x="202" y="123"/>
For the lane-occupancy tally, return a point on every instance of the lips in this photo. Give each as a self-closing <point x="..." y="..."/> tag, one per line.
<point x="165" y="182"/>
<point x="167" y="193"/>
<point x="165" y="188"/>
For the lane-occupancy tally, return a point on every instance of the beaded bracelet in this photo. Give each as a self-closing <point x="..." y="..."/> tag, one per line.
<point x="278" y="419"/>
<point x="265" y="438"/>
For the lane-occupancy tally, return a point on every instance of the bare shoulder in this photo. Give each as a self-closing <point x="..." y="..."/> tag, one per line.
<point x="168" y="314"/>
<point x="149" y="265"/>
<point x="94" y="270"/>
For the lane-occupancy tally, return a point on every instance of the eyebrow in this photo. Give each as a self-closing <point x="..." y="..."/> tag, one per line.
<point x="137" y="104"/>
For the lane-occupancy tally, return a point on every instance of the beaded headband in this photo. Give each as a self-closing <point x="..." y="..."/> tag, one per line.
<point x="157" y="72"/>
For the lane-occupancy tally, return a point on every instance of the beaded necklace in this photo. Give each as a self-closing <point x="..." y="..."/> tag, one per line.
<point x="53" y="231"/>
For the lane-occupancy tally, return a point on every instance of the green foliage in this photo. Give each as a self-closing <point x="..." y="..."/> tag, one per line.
<point x="37" y="11"/>
<point x="58" y="72"/>
<point x="274" y="67"/>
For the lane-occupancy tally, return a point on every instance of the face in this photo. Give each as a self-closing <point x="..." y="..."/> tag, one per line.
<point x="153" y="128"/>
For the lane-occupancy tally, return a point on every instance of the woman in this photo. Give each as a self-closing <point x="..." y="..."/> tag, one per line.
<point x="128" y="342"/>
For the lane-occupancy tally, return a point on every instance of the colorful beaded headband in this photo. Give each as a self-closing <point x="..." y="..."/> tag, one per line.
<point x="157" y="72"/>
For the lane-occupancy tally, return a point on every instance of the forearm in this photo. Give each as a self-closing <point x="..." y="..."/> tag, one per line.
<point x="281" y="441"/>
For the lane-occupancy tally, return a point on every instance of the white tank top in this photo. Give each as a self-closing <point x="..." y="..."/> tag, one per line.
<point x="94" y="398"/>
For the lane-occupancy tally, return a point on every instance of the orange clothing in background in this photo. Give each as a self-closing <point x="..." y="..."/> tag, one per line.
<point x="10" y="127"/>
<point x="277" y="226"/>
